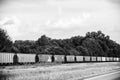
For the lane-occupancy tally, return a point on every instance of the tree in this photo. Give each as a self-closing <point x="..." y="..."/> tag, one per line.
<point x="92" y="46"/>
<point x="43" y="40"/>
<point x="82" y="50"/>
<point x="25" y="46"/>
<point x="77" y="40"/>
<point x="5" y="41"/>
<point x="55" y="50"/>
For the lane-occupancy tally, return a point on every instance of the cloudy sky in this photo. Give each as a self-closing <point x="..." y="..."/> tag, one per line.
<point x="29" y="19"/>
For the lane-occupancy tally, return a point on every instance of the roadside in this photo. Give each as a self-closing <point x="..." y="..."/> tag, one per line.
<point x="59" y="72"/>
<point x="112" y="75"/>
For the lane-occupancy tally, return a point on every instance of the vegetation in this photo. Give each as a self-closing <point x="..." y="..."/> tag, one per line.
<point x="5" y="42"/>
<point x="92" y="44"/>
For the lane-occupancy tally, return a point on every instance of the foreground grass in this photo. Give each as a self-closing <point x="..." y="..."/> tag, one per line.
<point x="56" y="71"/>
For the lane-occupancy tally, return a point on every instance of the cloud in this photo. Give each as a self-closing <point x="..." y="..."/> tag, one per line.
<point x="68" y="22"/>
<point x="11" y="25"/>
<point x="115" y="1"/>
<point x="2" y="2"/>
<point x="12" y="20"/>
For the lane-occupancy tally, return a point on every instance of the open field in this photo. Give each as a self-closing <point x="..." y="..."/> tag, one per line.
<point x="54" y="71"/>
<point x="115" y="75"/>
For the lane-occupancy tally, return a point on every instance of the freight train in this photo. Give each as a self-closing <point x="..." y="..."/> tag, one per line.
<point x="19" y="58"/>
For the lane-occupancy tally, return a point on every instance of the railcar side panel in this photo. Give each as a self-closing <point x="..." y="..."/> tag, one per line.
<point x="110" y="58"/>
<point x="107" y="58"/>
<point x="103" y="59"/>
<point x="87" y="58"/>
<point x="114" y="59"/>
<point x="44" y="58"/>
<point x="31" y="58"/>
<point x="93" y="58"/>
<point x="59" y="58"/>
<point x="79" y="58"/>
<point x="117" y="59"/>
<point x="70" y="58"/>
<point x="6" y="58"/>
<point x="26" y="58"/>
<point x="99" y="59"/>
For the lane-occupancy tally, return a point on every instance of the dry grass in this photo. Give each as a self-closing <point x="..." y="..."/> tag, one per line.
<point x="58" y="72"/>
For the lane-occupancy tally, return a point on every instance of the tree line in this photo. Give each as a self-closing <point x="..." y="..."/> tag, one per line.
<point x="92" y="44"/>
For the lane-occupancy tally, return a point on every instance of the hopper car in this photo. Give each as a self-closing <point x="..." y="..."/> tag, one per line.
<point x="20" y="58"/>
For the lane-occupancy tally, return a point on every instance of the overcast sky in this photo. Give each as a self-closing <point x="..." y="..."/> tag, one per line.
<point x="29" y="19"/>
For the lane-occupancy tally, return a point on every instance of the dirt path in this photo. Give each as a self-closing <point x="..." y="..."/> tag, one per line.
<point x="58" y="72"/>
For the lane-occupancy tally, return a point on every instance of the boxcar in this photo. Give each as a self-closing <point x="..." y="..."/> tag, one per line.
<point x="87" y="58"/>
<point x="70" y="58"/>
<point x="45" y="58"/>
<point x="79" y="58"/>
<point x="6" y="58"/>
<point x="26" y="58"/>
<point x="59" y="58"/>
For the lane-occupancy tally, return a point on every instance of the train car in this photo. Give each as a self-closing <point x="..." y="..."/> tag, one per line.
<point x="79" y="58"/>
<point x="15" y="58"/>
<point x="114" y="59"/>
<point x="110" y="59"/>
<point x="6" y="58"/>
<point x="117" y="59"/>
<point x="99" y="59"/>
<point x="70" y="58"/>
<point x="26" y="58"/>
<point x="93" y="59"/>
<point x="59" y="58"/>
<point x="103" y="59"/>
<point x="87" y="58"/>
<point x="107" y="59"/>
<point x="45" y="58"/>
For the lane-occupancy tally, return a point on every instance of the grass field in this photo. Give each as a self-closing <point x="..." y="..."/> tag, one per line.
<point x="55" y="71"/>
